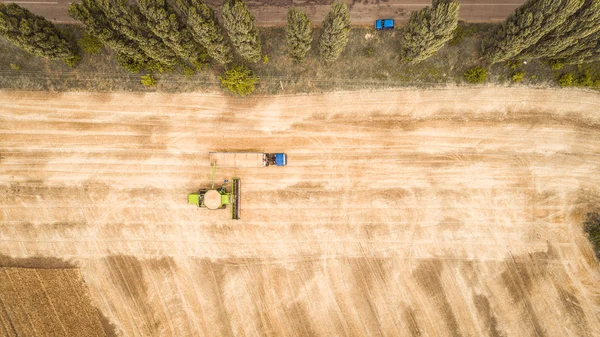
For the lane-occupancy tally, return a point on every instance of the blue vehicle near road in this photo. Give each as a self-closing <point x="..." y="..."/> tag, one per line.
<point x="384" y="24"/>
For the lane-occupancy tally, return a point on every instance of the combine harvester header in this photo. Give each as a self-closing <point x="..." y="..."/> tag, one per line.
<point x="247" y="159"/>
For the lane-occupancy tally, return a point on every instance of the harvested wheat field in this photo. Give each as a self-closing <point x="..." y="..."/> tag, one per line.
<point x="46" y="302"/>
<point x="400" y="213"/>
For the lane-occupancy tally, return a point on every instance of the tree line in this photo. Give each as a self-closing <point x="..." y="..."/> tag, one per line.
<point x="158" y="35"/>
<point x="564" y="30"/>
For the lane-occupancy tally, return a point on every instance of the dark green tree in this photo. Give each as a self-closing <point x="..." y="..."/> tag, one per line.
<point x="204" y="27"/>
<point x="242" y="31"/>
<point x="585" y="22"/>
<point x="97" y="24"/>
<point x="587" y="50"/>
<point x="524" y="28"/>
<point x="129" y="21"/>
<point x="428" y="30"/>
<point x="35" y="34"/>
<point x="335" y="32"/>
<point x="163" y="21"/>
<point x="130" y="63"/>
<point x="298" y="34"/>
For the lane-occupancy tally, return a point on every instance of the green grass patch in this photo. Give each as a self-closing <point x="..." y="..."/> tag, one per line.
<point x="518" y="77"/>
<point x="148" y="81"/>
<point x="556" y="64"/>
<point x="583" y="78"/>
<point x="566" y="80"/>
<point x="239" y="80"/>
<point x="476" y="75"/>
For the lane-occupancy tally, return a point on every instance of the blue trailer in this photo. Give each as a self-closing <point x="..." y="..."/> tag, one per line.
<point x="384" y="24"/>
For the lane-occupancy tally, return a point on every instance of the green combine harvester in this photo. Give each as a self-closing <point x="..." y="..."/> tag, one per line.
<point x="218" y="198"/>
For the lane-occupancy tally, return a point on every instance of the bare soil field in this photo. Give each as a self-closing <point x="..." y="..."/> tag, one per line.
<point x="46" y="302"/>
<point x="400" y="213"/>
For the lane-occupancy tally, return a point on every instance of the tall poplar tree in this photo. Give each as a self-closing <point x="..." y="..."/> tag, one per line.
<point x="585" y="22"/>
<point x="96" y="23"/>
<point x="242" y="30"/>
<point x="163" y="21"/>
<point x="524" y="28"/>
<point x="428" y="30"/>
<point x="336" y="27"/>
<point x="204" y="28"/>
<point x="34" y="34"/>
<point x="585" y="51"/>
<point x="298" y="34"/>
<point x="129" y="21"/>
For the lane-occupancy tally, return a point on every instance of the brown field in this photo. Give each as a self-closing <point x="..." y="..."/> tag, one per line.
<point x="362" y="12"/>
<point x="46" y="302"/>
<point x="401" y="213"/>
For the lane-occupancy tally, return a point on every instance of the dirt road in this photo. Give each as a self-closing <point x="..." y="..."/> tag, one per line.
<point x="273" y="12"/>
<point x="431" y="213"/>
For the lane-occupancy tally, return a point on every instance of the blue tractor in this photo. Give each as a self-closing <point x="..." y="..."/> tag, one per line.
<point x="384" y="24"/>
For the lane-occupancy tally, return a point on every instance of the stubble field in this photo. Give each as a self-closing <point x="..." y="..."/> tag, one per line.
<point x="46" y="302"/>
<point x="400" y="213"/>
